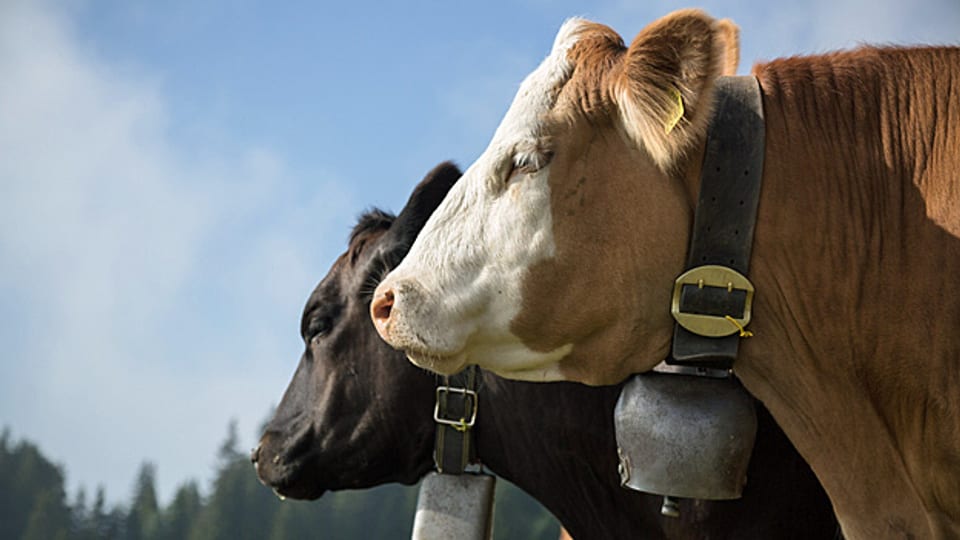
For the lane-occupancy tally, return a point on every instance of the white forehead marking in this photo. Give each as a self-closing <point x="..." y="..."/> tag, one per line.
<point x="466" y="269"/>
<point x="519" y="130"/>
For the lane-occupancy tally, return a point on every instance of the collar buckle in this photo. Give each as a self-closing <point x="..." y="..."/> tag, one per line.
<point x="469" y="416"/>
<point x="723" y="285"/>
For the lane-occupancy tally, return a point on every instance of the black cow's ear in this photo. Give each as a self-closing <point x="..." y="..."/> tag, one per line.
<point x="426" y="197"/>
<point x="393" y="246"/>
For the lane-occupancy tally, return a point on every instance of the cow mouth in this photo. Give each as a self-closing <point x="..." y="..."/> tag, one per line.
<point x="438" y="363"/>
<point x="303" y="492"/>
<point x="290" y="480"/>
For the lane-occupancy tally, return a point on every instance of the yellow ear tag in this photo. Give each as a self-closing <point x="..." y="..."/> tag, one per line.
<point x="677" y="112"/>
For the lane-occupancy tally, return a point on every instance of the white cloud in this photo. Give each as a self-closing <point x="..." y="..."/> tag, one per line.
<point x="115" y="240"/>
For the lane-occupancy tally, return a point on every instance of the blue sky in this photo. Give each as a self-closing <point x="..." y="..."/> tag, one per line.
<point x="176" y="176"/>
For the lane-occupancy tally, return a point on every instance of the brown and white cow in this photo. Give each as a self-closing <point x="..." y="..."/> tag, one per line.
<point x="554" y="257"/>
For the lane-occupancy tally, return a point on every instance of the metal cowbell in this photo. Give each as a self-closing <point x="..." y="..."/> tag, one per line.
<point x="685" y="436"/>
<point x="455" y="506"/>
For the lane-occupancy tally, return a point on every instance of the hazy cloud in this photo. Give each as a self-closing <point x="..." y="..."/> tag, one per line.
<point x="138" y="282"/>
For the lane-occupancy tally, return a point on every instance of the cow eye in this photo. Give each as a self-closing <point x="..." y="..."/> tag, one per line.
<point x="529" y="162"/>
<point x="318" y="327"/>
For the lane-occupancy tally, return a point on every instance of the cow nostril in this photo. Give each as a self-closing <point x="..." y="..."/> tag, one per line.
<point x="382" y="306"/>
<point x="255" y="454"/>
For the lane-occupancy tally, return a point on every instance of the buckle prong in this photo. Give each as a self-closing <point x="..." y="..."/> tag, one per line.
<point x="462" y="423"/>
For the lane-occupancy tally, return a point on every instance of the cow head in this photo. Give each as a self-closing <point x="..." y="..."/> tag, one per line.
<point x="355" y="414"/>
<point x="554" y="257"/>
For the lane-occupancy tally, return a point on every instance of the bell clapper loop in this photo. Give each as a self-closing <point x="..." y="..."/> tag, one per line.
<point x="670" y="508"/>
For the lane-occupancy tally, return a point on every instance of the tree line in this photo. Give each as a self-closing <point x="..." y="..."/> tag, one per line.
<point x="34" y="506"/>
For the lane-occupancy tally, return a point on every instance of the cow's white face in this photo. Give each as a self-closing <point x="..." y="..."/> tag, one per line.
<point x="554" y="255"/>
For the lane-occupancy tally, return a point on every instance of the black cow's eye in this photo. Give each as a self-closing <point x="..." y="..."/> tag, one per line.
<point x="318" y="327"/>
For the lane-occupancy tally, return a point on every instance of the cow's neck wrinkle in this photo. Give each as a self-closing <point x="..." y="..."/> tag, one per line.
<point x="840" y="231"/>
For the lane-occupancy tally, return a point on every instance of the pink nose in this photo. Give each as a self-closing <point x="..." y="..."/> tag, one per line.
<point x="380" y="310"/>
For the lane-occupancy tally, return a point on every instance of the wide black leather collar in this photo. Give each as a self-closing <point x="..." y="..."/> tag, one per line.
<point x="709" y="293"/>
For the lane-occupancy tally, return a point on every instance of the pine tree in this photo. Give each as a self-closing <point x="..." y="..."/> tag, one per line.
<point x="178" y="519"/>
<point x="230" y="447"/>
<point x="8" y="520"/>
<point x="81" y="527"/>
<point x="31" y="490"/>
<point x="98" y="514"/>
<point x="49" y="519"/>
<point x="239" y="507"/>
<point x="142" y="519"/>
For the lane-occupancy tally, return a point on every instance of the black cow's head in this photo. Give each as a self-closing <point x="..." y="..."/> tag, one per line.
<point x="356" y="413"/>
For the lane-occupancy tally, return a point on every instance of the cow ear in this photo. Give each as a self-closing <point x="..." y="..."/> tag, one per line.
<point x="729" y="35"/>
<point x="664" y="93"/>
<point x="426" y="197"/>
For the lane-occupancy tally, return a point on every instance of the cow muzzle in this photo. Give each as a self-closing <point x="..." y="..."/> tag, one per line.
<point x="410" y="321"/>
<point x="287" y="478"/>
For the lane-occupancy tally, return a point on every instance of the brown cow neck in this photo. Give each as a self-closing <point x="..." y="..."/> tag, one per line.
<point x="849" y="351"/>
<point x="817" y="232"/>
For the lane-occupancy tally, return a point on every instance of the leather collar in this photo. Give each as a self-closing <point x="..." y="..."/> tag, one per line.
<point x="710" y="298"/>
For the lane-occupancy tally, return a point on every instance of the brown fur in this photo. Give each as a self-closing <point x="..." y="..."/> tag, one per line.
<point x="596" y="223"/>
<point x="856" y="318"/>
<point x="858" y="228"/>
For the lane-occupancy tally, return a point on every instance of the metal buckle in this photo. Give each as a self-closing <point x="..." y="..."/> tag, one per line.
<point x="712" y="276"/>
<point x="461" y="424"/>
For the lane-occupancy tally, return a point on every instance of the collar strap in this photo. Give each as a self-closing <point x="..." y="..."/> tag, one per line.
<point x="712" y="299"/>
<point x="455" y="413"/>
